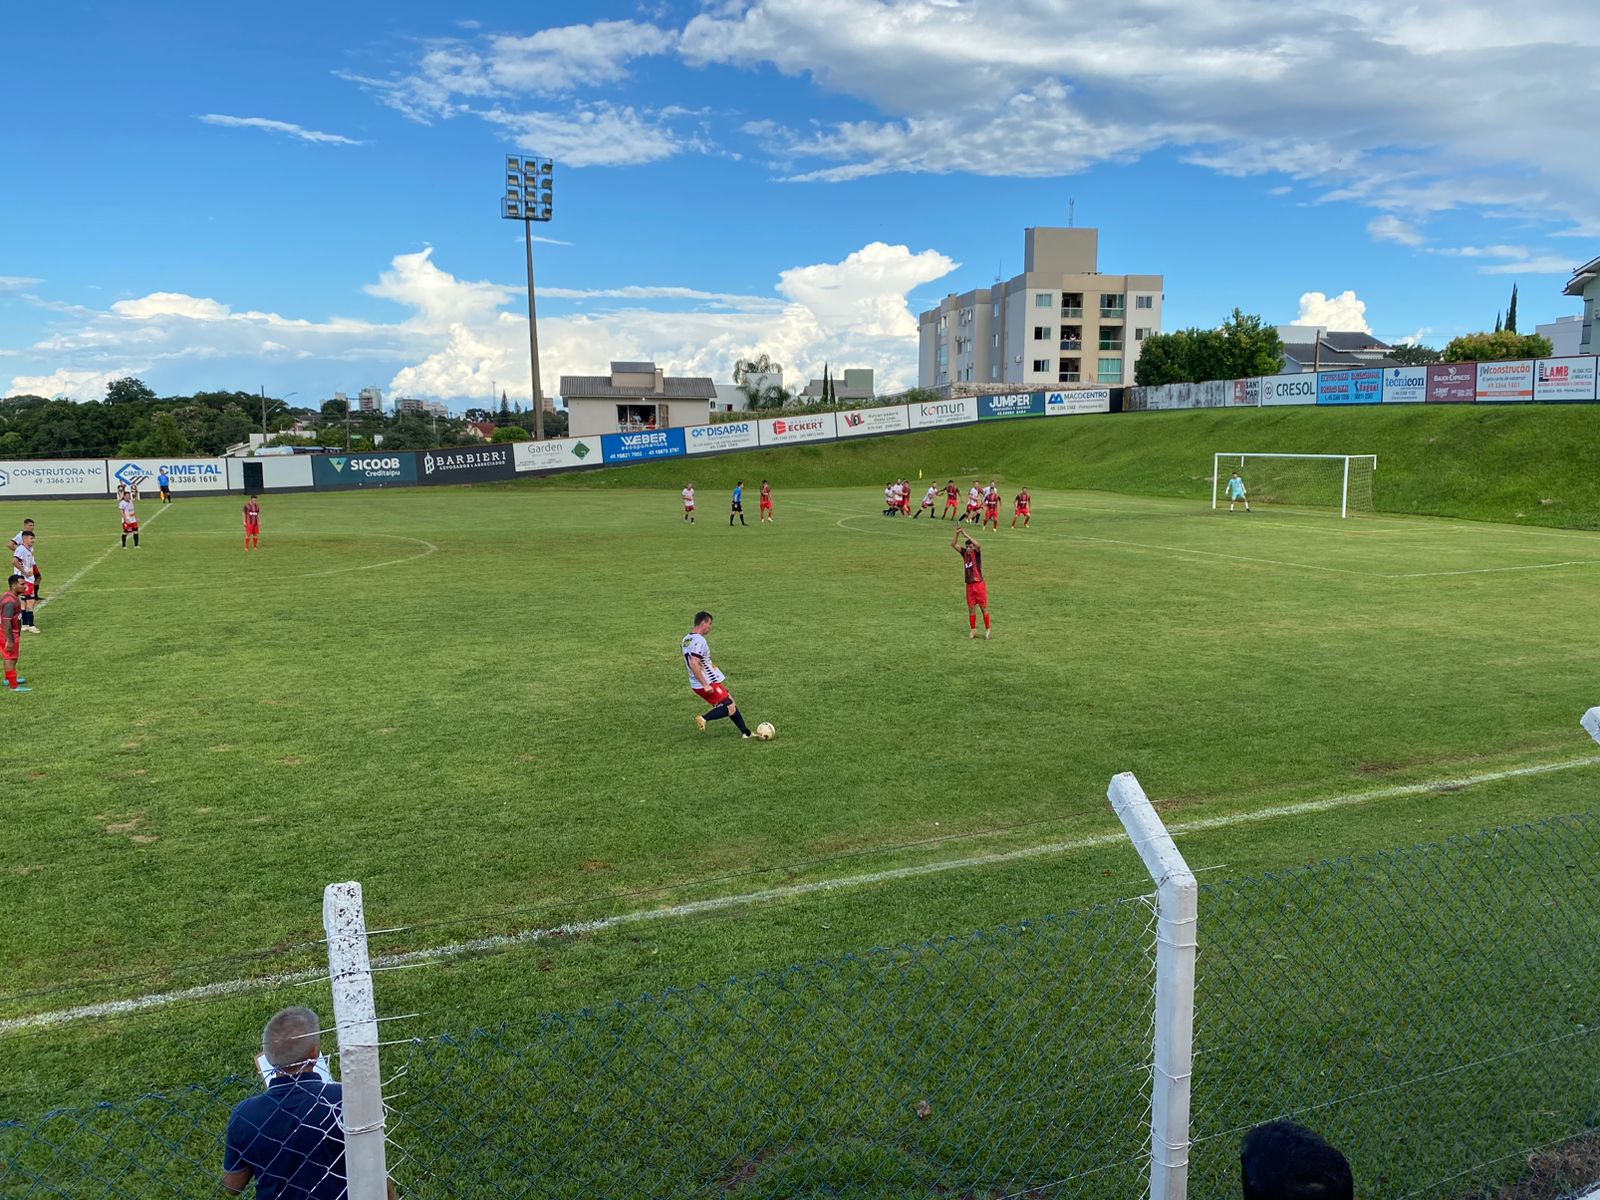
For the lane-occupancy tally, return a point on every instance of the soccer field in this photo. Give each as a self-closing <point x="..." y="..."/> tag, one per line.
<point x="472" y="701"/>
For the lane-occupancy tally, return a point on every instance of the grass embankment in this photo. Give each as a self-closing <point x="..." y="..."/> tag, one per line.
<point x="1483" y="463"/>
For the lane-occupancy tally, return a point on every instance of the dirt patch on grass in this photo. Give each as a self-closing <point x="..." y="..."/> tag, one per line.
<point x="292" y="760"/>
<point x="387" y="730"/>
<point x="1557" y="1172"/>
<point x="222" y="749"/>
<point x="595" y="864"/>
<point x="35" y="774"/>
<point x="143" y="839"/>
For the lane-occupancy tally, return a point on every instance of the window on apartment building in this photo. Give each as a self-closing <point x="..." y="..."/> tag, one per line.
<point x="1110" y="371"/>
<point x="944" y="323"/>
<point x="1141" y="333"/>
<point x="1111" y="337"/>
<point x="1144" y="302"/>
<point x="996" y="310"/>
<point x="1044" y="300"/>
<point x="994" y="341"/>
<point x="1043" y="333"/>
<point x="1041" y="365"/>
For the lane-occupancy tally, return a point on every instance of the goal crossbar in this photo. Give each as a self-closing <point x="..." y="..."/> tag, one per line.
<point x="1364" y="466"/>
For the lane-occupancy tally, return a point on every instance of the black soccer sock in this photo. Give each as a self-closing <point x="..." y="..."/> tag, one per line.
<point x="27" y="618"/>
<point x="738" y="719"/>
<point x="717" y="713"/>
<point x="124" y="541"/>
<point x="136" y="541"/>
<point x="741" y="520"/>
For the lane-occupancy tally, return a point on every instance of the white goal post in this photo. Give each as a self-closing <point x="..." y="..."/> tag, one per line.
<point x="1342" y="481"/>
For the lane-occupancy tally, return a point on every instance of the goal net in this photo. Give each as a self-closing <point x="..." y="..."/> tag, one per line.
<point x="1339" y="483"/>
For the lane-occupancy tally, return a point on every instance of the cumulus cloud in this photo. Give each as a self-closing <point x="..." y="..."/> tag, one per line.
<point x="285" y="127"/>
<point x="455" y="338"/>
<point x="1342" y="312"/>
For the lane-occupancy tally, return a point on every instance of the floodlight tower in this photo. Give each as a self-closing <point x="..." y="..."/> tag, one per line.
<point x="527" y="199"/>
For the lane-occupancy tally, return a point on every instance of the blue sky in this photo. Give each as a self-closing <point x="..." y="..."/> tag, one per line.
<point x="303" y="197"/>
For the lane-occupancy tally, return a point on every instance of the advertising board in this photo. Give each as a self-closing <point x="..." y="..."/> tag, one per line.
<point x="731" y="435"/>
<point x="1502" y="382"/>
<point x="868" y="421"/>
<point x="637" y="447"/>
<point x="1247" y="392"/>
<point x="1452" y="383"/>
<point x="1085" y="400"/>
<point x="1289" y="389"/>
<point x="1405" y="385"/>
<point x="555" y="454"/>
<point x="183" y="474"/>
<point x="943" y="412"/>
<point x="378" y="469"/>
<point x="1350" y="386"/>
<point x="1010" y="404"/>
<point x="467" y="464"/>
<point x="1564" y="379"/>
<point x="805" y="427"/>
<point x="59" y="477"/>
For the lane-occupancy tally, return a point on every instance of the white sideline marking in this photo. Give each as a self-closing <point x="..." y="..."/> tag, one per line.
<point x="390" y="562"/>
<point x="1576" y="562"/>
<point x="107" y="553"/>
<point x="116" y="1008"/>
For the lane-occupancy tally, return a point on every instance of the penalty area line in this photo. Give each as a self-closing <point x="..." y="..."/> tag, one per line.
<point x="105" y="554"/>
<point x="117" y="1008"/>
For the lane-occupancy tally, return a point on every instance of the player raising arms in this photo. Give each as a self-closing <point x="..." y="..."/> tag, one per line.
<point x="977" y="589"/>
<point x="130" y="520"/>
<point x="1024" y="503"/>
<point x="951" y="491"/>
<point x="11" y="633"/>
<point x="25" y="565"/>
<point x="706" y="681"/>
<point x="927" y="501"/>
<point x="688" y="503"/>
<point x="991" y="506"/>
<point x="252" y="524"/>
<point x="766" y="502"/>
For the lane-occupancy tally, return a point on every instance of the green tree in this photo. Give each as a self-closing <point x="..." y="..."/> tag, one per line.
<point x="1498" y="346"/>
<point x="128" y="390"/>
<point x="335" y="410"/>
<point x="745" y="369"/>
<point x="510" y="433"/>
<point x="1415" y="356"/>
<point x="1511" y="312"/>
<point x="1243" y="346"/>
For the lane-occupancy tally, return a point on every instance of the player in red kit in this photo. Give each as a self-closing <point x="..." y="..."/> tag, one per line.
<point x="991" y="507"/>
<point x="1023" y="502"/>
<point x="766" y="501"/>
<point x="950" y="494"/>
<point x="252" y="524"/>
<point x="977" y="589"/>
<point x="11" y="633"/>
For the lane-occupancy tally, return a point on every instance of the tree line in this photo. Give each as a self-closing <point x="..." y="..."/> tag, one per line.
<point x="133" y="421"/>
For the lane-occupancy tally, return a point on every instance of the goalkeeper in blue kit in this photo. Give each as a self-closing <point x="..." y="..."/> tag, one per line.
<point x="1236" y="494"/>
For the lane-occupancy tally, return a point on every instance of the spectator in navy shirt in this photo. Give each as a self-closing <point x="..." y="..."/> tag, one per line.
<point x="290" y="1138"/>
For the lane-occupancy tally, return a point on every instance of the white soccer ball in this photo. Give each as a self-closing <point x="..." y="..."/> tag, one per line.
<point x="765" y="731"/>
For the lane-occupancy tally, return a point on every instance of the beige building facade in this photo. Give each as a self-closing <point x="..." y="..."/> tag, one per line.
<point x="1060" y="323"/>
<point x="635" y="396"/>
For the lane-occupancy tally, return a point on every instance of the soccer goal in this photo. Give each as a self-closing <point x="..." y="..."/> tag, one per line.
<point x="1330" y="481"/>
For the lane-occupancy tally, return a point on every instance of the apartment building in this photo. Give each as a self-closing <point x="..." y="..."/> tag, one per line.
<point x="1059" y="323"/>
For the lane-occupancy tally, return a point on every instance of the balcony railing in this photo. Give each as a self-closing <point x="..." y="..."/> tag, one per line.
<point x="1072" y="343"/>
<point x="1114" y="310"/>
<point x="1110" y="343"/>
<point x="1069" y="377"/>
<point x="1072" y="310"/>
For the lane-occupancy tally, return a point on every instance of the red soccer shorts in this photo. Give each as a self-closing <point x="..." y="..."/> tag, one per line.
<point x="977" y="595"/>
<point x="991" y="514"/>
<point x="714" y="695"/>
<point x="30" y="591"/>
<point x="130" y="527"/>
<point x="766" y="506"/>
<point x="252" y="527"/>
<point x="1022" y="510"/>
<point x="950" y="503"/>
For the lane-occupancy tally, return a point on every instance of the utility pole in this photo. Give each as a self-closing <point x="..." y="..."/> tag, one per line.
<point x="527" y="198"/>
<point x="533" y="340"/>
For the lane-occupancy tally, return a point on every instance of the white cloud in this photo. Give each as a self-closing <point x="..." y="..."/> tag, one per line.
<point x="17" y="283"/>
<point x="271" y="126"/>
<point x="1519" y="260"/>
<point x="590" y="135"/>
<point x="1343" y="312"/>
<point x="456" y="338"/>
<point x="1239" y="85"/>
<point x="1390" y="228"/>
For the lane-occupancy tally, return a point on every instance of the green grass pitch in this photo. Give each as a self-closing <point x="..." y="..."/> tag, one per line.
<point x="472" y="701"/>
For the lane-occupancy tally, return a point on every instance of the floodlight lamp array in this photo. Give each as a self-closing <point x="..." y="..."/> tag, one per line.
<point x="528" y="193"/>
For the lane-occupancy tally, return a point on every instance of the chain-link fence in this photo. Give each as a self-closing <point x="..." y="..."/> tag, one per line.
<point x="1432" y="1011"/>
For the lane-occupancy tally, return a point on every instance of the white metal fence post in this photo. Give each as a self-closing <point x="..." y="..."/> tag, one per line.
<point x="355" y="1020"/>
<point x="1177" y="897"/>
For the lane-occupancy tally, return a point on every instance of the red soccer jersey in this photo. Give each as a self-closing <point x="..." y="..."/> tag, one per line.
<point x="766" y="492"/>
<point x="951" y="491"/>
<point x="1022" y="499"/>
<point x="972" y="560"/>
<point x="10" y="620"/>
<point x="252" y="513"/>
<point x="992" y="504"/>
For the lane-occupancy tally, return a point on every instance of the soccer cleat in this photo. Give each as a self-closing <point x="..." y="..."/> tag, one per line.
<point x="19" y="688"/>
<point x="986" y="635"/>
<point x="30" y="629"/>
<point x="699" y="722"/>
<point x="971" y="633"/>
